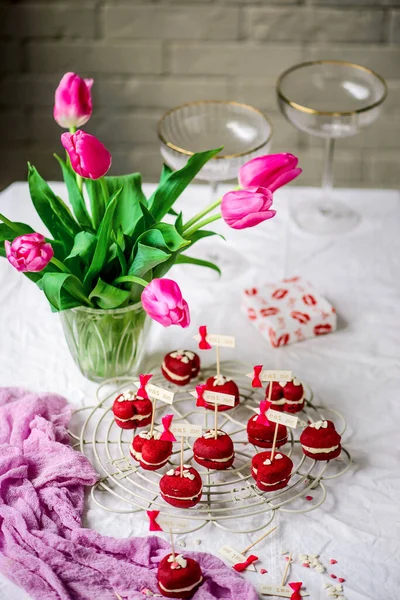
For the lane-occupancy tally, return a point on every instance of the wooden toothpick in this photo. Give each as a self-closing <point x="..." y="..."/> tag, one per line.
<point x="218" y="363"/>
<point x="153" y="416"/>
<point x="259" y="540"/>
<point x="215" y="420"/>
<point x="287" y="569"/>
<point x="182" y="444"/>
<point x="271" y="383"/>
<point x="270" y="391"/>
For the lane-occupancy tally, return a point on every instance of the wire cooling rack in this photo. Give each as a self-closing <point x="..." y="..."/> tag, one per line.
<point x="231" y="500"/>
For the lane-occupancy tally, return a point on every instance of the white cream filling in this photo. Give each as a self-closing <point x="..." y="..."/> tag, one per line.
<point x="267" y="441"/>
<point x="320" y="450"/>
<point x="173" y="375"/>
<point x="183" y="498"/>
<point x="285" y="401"/>
<point x="134" y="418"/>
<point x="138" y="456"/>
<point x="220" y="460"/>
<point x="185" y="589"/>
<point x="276" y="482"/>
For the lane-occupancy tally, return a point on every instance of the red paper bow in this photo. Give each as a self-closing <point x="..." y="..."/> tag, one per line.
<point x="167" y="435"/>
<point x="203" y="344"/>
<point x="256" y="379"/>
<point x="239" y="567"/>
<point x="200" y="399"/>
<point x="262" y="417"/>
<point x="144" y="380"/>
<point x="296" y="587"/>
<point x="154" y="526"/>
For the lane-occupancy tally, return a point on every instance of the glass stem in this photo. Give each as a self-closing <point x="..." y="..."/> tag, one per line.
<point x="327" y="177"/>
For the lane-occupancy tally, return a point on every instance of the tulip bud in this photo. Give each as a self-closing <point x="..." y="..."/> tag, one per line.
<point x="29" y="253"/>
<point x="89" y="158"/>
<point x="73" y="101"/>
<point x="162" y="300"/>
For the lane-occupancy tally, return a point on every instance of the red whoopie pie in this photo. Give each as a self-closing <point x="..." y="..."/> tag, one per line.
<point x="214" y="453"/>
<point x="182" y="491"/>
<point x="271" y="475"/>
<point x="151" y="452"/>
<point x="262" y="436"/>
<point x="131" y="411"/>
<point x="222" y="385"/>
<point x="178" y="576"/>
<point x="180" y="366"/>
<point x="287" y="396"/>
<point x="321" y="441"/>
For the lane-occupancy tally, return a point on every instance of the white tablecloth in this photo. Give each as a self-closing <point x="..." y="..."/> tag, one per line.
<point x="356" y="370"/>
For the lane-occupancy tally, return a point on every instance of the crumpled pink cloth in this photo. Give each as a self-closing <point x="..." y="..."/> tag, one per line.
<point x="43" y="547"/>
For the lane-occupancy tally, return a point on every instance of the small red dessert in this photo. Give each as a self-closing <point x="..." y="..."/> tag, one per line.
<point x="131" y="411"/>
<point x="287" y="396"/>
<point x="178" y="576"/>
<point x="214" y="453"/>
<point x="181" y="491"/>
<point x="321" y="441"/>
<point x="271" y="475"/>
<point x="262" y="436"/>
<point x="180" y="366"/>
<point x="151" y="452"/>
<point x="222" y="385"/>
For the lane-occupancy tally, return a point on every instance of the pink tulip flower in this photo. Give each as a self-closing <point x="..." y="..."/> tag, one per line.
<point x="271" y="171"/>
<point x="163" y="302"/>
<point x="29" y="253"/>
<point x="89" y="158"/>
<point x="246" y="208"/>
<point x="73" y="101"/>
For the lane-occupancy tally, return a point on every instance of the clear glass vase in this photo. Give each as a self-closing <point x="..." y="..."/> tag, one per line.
<point x="105" y="343"/>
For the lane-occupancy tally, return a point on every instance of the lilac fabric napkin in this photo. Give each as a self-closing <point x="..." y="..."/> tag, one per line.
<point x="43" y="547"/>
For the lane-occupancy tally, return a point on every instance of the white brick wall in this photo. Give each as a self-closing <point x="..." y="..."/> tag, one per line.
<point x="149" y="55"/>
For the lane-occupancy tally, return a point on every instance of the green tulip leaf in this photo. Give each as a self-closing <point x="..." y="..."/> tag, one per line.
<point x="165" y="172"/>
<point x="97" y="202"/>
<point x="119" y="247"/>
<point x="173" y="184"/>
<point x="108" y="296"/>
<point x="84" y="247"/>
<point x="179" y="222"/>
<point x="103" y="240"/>
<point x="75" y="195"/>
<point x="63" y="291"/>
<point x="54" y="213"/>
<point x="6" y="233"/>
<point x="201" y="234"/>
<point x="182" y="259"/>
<point x="172" y="239"/>
<point x="147" y="257"/>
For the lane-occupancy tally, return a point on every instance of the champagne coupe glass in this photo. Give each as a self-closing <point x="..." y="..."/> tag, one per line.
<point x="242" y="130"/>
<point x="331" y="99"/>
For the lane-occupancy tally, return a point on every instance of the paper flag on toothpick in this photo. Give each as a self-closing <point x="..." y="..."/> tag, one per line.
<point x="234" y="556"/>
<point x="158" y="393"/>
<point x="183" y="429"/>
<point x="272" y="375"/>
<point x="282" y="591"/>
<point x="224" y="341"/>
<point x="216" y="397"/>
<point x="282" y="418"/>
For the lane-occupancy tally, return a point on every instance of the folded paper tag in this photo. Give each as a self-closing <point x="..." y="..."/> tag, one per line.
<point x="277" y="590"/>
<point x="183" y="429"/>
<point x="216" y="398"/>
<point x="234" y="556"/>
<point x="268" y="375"/>
<point x="157" y="393"/>
<point x="288" y="311"/>
<point x="225" y="341"/>
<point x="282" y="418"/>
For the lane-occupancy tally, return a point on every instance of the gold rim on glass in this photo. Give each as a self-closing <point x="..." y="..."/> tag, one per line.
<point x="199" y="102"/>
<point x="313" y="111"/>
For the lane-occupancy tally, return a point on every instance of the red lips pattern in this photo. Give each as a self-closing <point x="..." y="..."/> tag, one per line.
<point x="300" y="317"/>
<point x="267" y="312"/>
<point x="279" y="294"/>
<point x="322" y="329"/>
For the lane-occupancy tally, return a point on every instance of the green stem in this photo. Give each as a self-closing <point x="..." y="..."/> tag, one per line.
<point x="60" y="265"/>
<point x="104" y="187"/>
<point x="79" y="181"/>
<point x="130" y="279"/>
<point x="11" y="225"/>
<point x="201" y="214"/>
<point x="191" y="231"/>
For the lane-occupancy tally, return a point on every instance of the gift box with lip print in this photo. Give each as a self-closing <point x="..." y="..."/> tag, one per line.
<point x="288" y="311"/>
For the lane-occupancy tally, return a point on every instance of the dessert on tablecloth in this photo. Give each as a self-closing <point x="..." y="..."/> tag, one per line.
<point x="181" y="366"/>
<point x="321" y="441"/>
<point x="271" y="474"/>
<point x="131" y="411"/>
<point x="182" y="489"/>
<point x="288" y="396"/>
<point x="150" y="450"/>
<point x="178" y="576"/>
<point x="214" y="452"/>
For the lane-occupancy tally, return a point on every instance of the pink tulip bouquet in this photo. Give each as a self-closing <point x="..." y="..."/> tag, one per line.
<point x="109" y="248"/>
